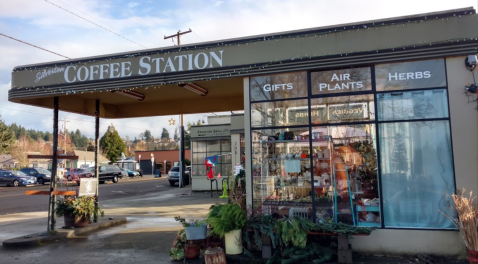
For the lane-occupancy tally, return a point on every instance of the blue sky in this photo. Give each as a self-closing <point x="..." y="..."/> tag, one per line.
<point x="144" y="23"/>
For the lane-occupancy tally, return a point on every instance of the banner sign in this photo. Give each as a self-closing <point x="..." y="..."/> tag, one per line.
<point x="88" y="186"/>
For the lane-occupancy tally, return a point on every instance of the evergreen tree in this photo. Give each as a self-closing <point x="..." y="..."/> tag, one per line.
<point x="165" y="134"/>
<point x="112" y="144"/>
<point x="7" y="138"/>
<point x="176" y="134"/>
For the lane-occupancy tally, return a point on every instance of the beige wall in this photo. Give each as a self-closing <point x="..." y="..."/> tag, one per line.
<point x="399" y="241"/>
<point x="464" y="125"/>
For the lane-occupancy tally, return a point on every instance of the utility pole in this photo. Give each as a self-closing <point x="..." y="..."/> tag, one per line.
<point x="178" y="35"/>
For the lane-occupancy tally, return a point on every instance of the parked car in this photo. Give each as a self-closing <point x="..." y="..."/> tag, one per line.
<point x="124" y="173"/>
<point x="16" y="178"/>
<point x="42" y="175"/>
<point x="132" y="173"/>
<point x="107" y="173"/>
<point x="76" y="172"/>
<point x="173" y="176"/>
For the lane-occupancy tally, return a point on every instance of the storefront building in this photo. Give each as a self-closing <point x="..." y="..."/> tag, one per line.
<point x="224" y="140"/>
<point x="365" y="123"/>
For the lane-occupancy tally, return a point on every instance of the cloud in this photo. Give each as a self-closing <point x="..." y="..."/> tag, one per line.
<point x="147" y="22"/>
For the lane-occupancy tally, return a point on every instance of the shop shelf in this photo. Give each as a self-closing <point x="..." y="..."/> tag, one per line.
<point x="368" y="208"/>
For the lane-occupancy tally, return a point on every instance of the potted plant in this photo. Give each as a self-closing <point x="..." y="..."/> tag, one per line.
<point x="227" y="220"/>
<point x="77" y="210"/>
<point x="463" y="213"/>
<point x="195" y="229"/>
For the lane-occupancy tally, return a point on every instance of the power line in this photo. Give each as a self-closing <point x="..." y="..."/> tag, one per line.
<point x="34" y="45"/>
<point x="95" y="24"/>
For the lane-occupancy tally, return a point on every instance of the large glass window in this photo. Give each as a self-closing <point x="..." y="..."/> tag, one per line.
<point x="208" y="148"/>
<point x="412" y="105"/>
<point x="341" y="81"/>
<point x="279" y="86"/>
<point x="410" y="75"/>
<point x="342" y="109"/>
<point x="280" y="113"/>
<point x="417" y="173"/>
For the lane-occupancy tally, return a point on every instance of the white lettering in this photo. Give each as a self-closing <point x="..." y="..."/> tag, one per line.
<point x="125" y="67"/>
<point x="196" y="60"/>
<point x="142" y="64"/>
<point x="114" y="67"/>
<point x="216" y="58"/>
<point x="78" y="74"/>
<point x="408" y="75"/>
<point x="66" y="74"/>
<point x="289" y="86"/>
<point x="104" y="69"/>
<point x="169" y="64"/>
<point x="267" y="87"/>
<point x="180" y="59"/>
<point x="93" y="70"/>
<point x="158" y="64"/>
<point x="190" y="62"/>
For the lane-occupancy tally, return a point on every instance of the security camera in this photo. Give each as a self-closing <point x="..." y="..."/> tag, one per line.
<point x="470" y="62"/>
<point x="471" y="89"/>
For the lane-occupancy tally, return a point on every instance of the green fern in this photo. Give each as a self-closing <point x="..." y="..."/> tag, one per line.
<point x="226" y="218"/>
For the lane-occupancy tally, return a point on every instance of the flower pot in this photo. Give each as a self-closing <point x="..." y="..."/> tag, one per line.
<point x="472" y="256"/>
<point x="192" y="251"/>
<point x="76" y="221"/>
<point x="69" y="220"/>
<point x="81" y="221"/>
<point x="233" y="242"/>
<point x="196" y="232"/>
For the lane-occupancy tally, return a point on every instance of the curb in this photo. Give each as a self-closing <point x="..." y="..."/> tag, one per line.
<point x="39" y="238"/>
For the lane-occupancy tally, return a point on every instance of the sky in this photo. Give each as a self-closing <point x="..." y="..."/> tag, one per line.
<point x="83" y="28"/>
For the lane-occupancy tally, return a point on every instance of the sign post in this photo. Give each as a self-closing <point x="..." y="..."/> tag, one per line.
<point x="152" y="164"/>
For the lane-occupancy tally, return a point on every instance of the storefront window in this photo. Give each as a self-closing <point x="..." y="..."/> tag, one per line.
<point x="280" y="113"/>
<point x="345" y="174"/>
<point x="417" y="172"/>
<point x="341" y="81"/>
<point x="410" y="75"/>
<point x="281" y="171"/>
<point x="278" y="86"/>
<point x="336" y="167"/>
<point x="342" y="109"/>
<point x="412" y="105"/>
<point x="208" y="148"/>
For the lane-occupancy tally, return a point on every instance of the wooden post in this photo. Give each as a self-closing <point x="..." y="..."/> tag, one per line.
<point x="51" y="207"/>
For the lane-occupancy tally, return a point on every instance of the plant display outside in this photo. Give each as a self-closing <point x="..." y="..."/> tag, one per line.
<point x="83" y="206"/>
<point x="463" y="213"/>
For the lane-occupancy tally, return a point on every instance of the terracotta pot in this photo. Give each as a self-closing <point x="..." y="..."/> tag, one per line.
<point x="472" y="256"/>
<point x="82" y="221"/>
<point x="192" y="251"/>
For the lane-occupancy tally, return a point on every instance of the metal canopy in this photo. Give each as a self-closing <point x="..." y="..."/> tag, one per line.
<point x="220" y="66"/>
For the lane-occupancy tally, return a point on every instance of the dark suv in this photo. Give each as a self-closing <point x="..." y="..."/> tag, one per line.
<point x="108" y="173"/>
<point x="42" y="175"/>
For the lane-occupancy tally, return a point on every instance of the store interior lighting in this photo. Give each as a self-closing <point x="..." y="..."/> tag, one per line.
<point x="131" y="94"/>
<point x="195" y="88"/>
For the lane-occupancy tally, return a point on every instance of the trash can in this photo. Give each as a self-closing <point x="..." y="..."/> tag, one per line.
<point x="157" y="173"/>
